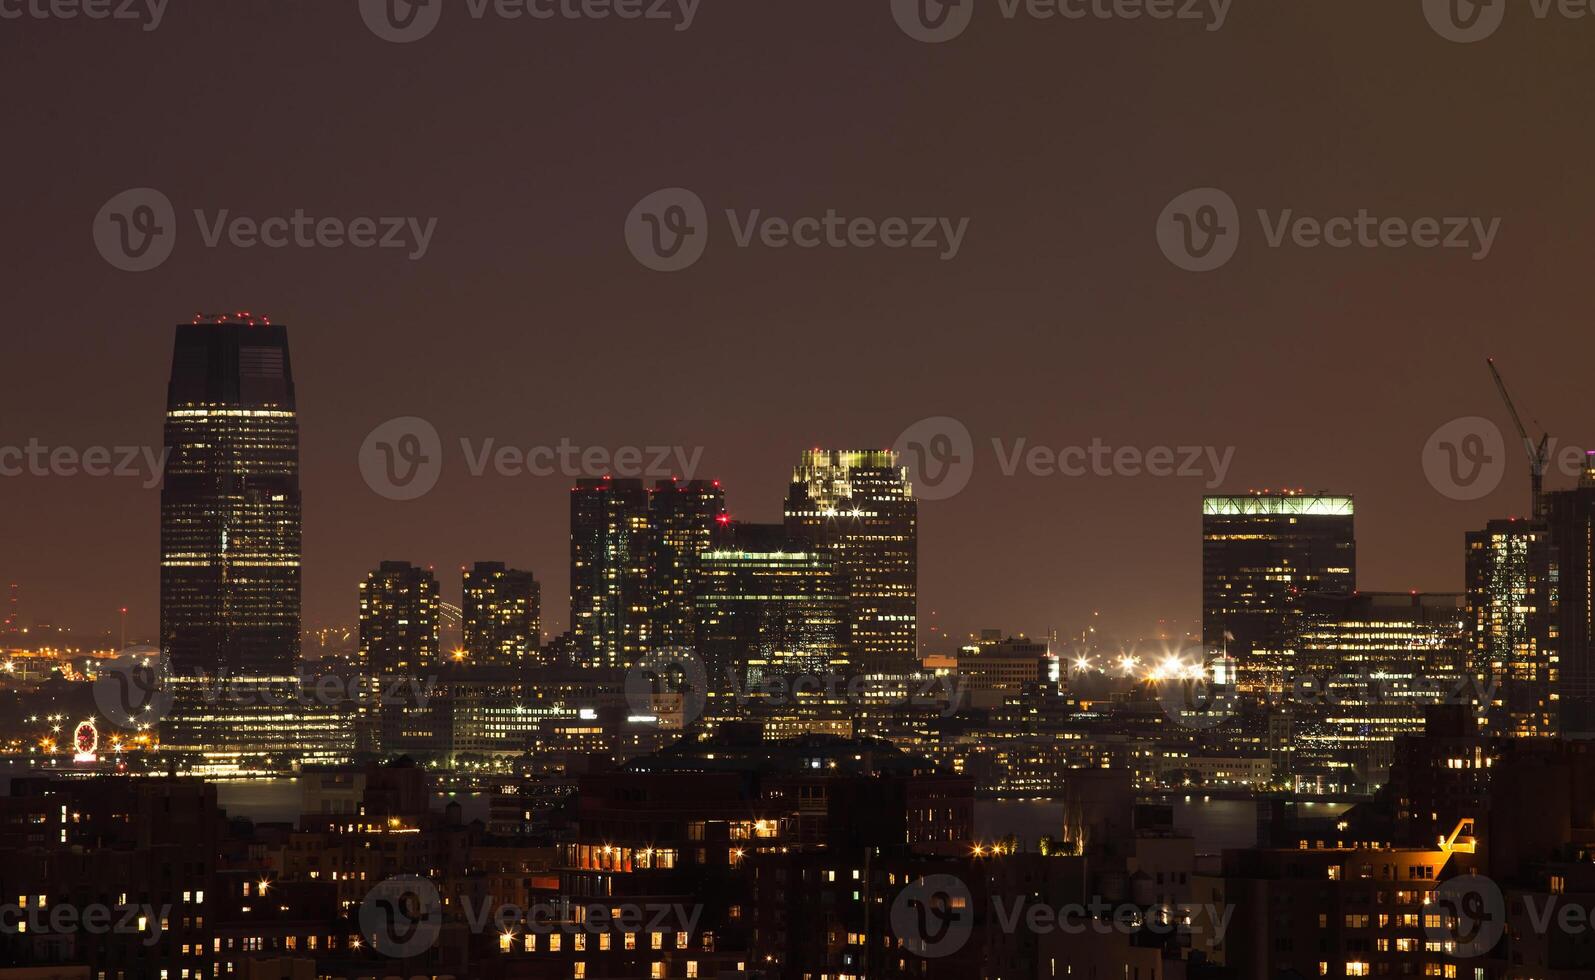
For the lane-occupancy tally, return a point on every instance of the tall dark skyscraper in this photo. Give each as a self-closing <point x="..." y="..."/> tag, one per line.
<point x="683" y="519"/>
<point x="1512" y="597"/>
<point x="399" y="620"/>
<point x="768" y="605"/>
<point x="858" y="507"/>
<point x="501" y="615"/>
<point x="1570" y="515"/>
<point x="610" y="556"/>
<point x="1262" y="554"/>
<point x="230" y="505"/>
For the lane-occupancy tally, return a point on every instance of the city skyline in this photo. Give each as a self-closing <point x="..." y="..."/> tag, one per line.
<point x="698" y="490"/>
<point x="938" y="631"/>
<point x="1059" y="297"/>
<point x="329" y="613"/>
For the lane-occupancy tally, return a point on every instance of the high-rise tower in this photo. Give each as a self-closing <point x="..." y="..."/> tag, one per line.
<point x="501" y="616"/>
<point x="766" y="605"/>
<point x="858" y="507"/>
<point x="1513" y="598"/>
<point x="230" y="505"/>
<point x="399" y="620"/>
<point x="1570" y="515"/>
<point x="683" y="517"/>
<point x="1262" y="555"/>
<point x="610" y="554"/>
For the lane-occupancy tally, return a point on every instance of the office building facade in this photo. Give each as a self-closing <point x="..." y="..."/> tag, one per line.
<point x="1512" y="591"/>
<point x="610" y="584"/>
<point x="399" y="620"/>
<point x="766" y="606"/>
<point x="1570" y="516"/>
<point x="1368" y="666"/>
<point x="858" y="507"/>
<point x="501" y="613"/>
<point x="683" y="518"/>
<point x="230" y="502"/>
<point x="1262" y="554"/>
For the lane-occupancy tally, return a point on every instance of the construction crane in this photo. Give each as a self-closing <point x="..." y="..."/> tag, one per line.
<point x="1537" y="452"/>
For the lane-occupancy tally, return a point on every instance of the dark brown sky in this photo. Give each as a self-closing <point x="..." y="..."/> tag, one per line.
<point x="1061" y="321"/>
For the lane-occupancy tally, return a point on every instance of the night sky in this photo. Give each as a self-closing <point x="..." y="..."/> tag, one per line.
<point x="528" y="321"/>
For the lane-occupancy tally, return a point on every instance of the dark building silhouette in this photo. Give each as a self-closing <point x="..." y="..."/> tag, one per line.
<point x="501" y="615"/>
<point x="230" y="504"/>
<point x="1262" y="554"/>
<point x="683" y="519"/>
<point x="859" y="508"/>
<point x="610" y="556"/>
<point x="768" y="605"/>
<point x="1570" y="515"/>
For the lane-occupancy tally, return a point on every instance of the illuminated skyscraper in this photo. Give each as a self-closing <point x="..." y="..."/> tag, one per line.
<point x="858" y="507"/>
<point x="501" y="614"/>
<point x="1512" y="614"/>
<point x="1376" y="660"/>
<point x="399" y="622"/>
<point x="683" y="517"/>
<point x="768" y="605"/>
<point x="1262" y="554"/>
<point x="610" y="554"/>
<point x="230" y="506"/>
